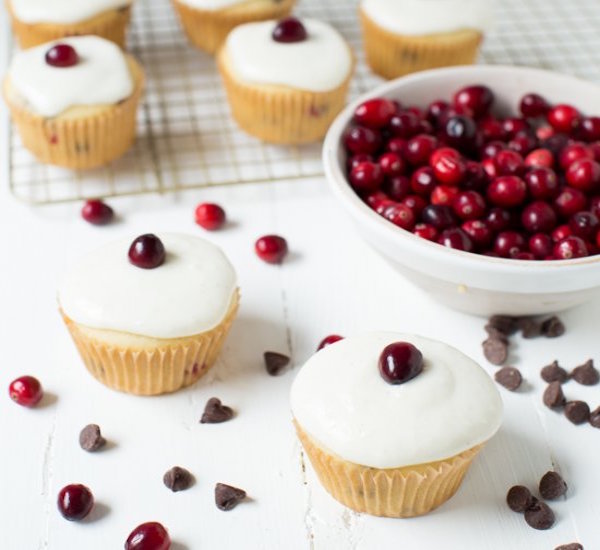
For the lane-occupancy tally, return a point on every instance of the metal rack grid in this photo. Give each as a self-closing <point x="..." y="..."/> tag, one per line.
<point x="187" y="139"/>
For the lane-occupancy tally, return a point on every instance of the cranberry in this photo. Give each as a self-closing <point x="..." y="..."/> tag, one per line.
<point x="475" y="99"/>
<point x="544" y="132"/>
<point x="555" y="143"/>
<point x="400" y="362"/>
<point x="423" y="181"/>
<point x="367" y="176"/>
<point x="148" y="536"/>
<point x="419" y="149"/>
<point x="426" y="231"/>
<point x="508" y="244"/>
<point x="391" y="164"/>
<point x="589" y="130"/>
<point x="492" y="129"/>
<point x="479" y="231"/>
<point x="507" y="191"/>
<point x="569" y="202"/>
<point x="584" y="175"/>
<point x="75" y="502"/>
<point x="396" y="145"/>
<point x="439" y="216"/>
<point x="469" y="205"/>
<point x="97" y="212"/>
<point x="460" y="132"/>
<point x="522" y="143"/>
<point x="563" y="118"/>
<point x="573" y="152"/>
<point x="425" y="127"/>
<point x="595" y="149"/>
<point x="475" y="177"/>
<point x="561" y="232"/>
<point x="400" y="215"/>
<point x="147" y="251"/>
<point x="512" y="126"/>
<point x="499" y="219"/>
<point x="383" y="205"/>
<point x="448" y="166"/>
<point x="584" y="225"/>
<point x="595" y="206"/>
<point x="289" y="30"/>
<point x="375" y="198"/>
<point x="436" y="110"/>
<point x="533" y="106"/>
<point x="492" y="148"/>
<point x="416" y="203"/>
<point x="570" y="247"/>
<point x="62" y="55"/>
<point x="443" y="194"/>
<point x="397" y="187"/>
<point x="541" y="245"/>
<point x="26" y="391"/>
<point x="508" y="163"/>
<point x="404" y="124"/>
<point x="271" y="248"/>
<point x="328" y="340"/>
<point x="538" y="216"/>
<point x="542" y="183"/>
<point x="456" y="238"/>
<point x="539" y="158"/>
<point x="209" y="216"/>
<point x="355" y="160"/>
<point x="490" y="169"/>
<point x="375" y="113"/>
<point x="359" y="139"/>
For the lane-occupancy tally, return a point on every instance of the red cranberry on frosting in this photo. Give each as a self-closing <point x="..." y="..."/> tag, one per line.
<point x="147" y="251"/>
<point x="289" y="30"/>
<point x="62" y="55"/>
<point x="400" y="362"/>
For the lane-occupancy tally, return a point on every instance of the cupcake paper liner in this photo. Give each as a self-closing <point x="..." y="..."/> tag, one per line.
<point x="163" y="367"/>
<point x="207" y="29"/>
<point x="111" y="25"/>
<point x="93" y="139"/>
<point x="391" y="55"/>
<point x="396" y="492"/>
<point x="278" y="114"/>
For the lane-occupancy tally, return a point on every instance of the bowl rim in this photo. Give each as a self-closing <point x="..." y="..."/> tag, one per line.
<point x="342" y="189"/>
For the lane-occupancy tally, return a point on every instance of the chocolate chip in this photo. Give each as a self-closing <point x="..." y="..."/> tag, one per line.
<point x="178" y="479"/>
<point x="577" y="412"/>
<point x="586" y="374"/>
<point x="519" y="498"/>
<point x="539" y="515"/>
<point x="215" y="412"/>
<point x="554" y="396"/>
<point x="509" y="377"/>
<point x="495" y="350"/>
<point x="530" y="328"/>
<point x="552" y="485"/>
<point x="90" y="438"/>
<point x="553" y="327"/>
<point x="595" y="418"/>
<point x="554" y="373"/>
<point x="570" y="546"/>
<point x="504" y="323"/>
<point x="274" y="362"/>
<point x="228" y="497"/>
<point x="493" y="332"/>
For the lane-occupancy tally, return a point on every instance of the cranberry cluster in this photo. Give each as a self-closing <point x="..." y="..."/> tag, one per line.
<point x="525" y="187"/>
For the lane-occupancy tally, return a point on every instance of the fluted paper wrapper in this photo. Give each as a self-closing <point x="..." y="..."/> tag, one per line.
<point x="207" y="29"/>
<point x="80" y="142"/>
<point x="111" y="25"/>
<point x="391" y="55"/>
<point x="166" y="367"/>
<point x="396" y="492"/>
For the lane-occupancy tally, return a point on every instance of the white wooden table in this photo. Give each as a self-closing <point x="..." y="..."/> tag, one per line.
<point x="331" y="282"/>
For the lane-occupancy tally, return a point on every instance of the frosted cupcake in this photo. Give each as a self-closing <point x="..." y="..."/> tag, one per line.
<point x="150" y="316"/>
<point x="74" y="102"/>
<point x="404" y="36"/>
<point x="207" y="22"/>
<point x="38" y="21"/>
<point x="391" y="422"/>
<point x="286" y="81"/>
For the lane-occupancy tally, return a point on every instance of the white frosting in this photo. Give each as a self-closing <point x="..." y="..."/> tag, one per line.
<point x="416" y="17"/>
<point x="62" y="11"/>
<point x="100" y="77"/>
<point x="320" y="63"/>
<point x="340" y="399"/>
<point x="188" y="294"/>
<point x="213" y="5"/>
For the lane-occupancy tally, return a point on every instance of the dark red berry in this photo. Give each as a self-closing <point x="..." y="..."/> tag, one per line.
<point x="209" y="216"/>
<point x="595" y="206"/>
<point x="533" y="106"/>
<point x="589" y="129"/>
<point x="26" y="391"/>
<point x="426" y="231"/>
<point x="355" y="160"/>
<point x="508" y="163"/>
<point x="271" y="248"/>
<point x="523" y="143"/>
<point x="444" y="194"/>
<point x="75" y="502"/>
<point x="585" y="225"/>
<point x="448" y="166"/>
<point x="479" y="231"/>
<point x="423" y="181"/>
<point x="539" y="158"/>
<point x="62" y="55"/>
<point x="513" y="125"/>
<point x="400" y="215"/>
<point x="328" y="340"/>
<point x="396" y="145"/>
<point x="469" y="205"/>
<point x="375" y="113"/>
<point x="397" y="188"/>
<point x="475" y="177"/>
<point x="416" y="203"/>
<point x="570" y="201"/>
<point x="542" y="183"/>
<point x="569" y="248"/>
<point x="541" y="245"/>
<point x="439" y="216"/>
<point x="359" y="139"/>
<point x="538" y="216"/>
<point x="147" y="251"/>
<point x="476" y="99"/>
<point x="436" y="110"/>
<point x="507" y="191"/>
<point x="460" y="132"/>
<point x="456" y="238"/>
<point x="563" y="118"/>
<point x="509" y="243"/>
<point x="492" y="148"/>
<point x="97" y="212"/>
<point x="404" y="124"/>
<point x="148" y="536"/>
<point x="561" y="232"/>
<point x="492" y="129"/>
<point x="374" y="198"/>
<point x="366" y="176"/>
<point x="391" y="164"/>
<point x="419" y="149"/>
<point x="499" y="219"/>
<point x="573" y="152"/>
<point x="289" y="30"/>
<point x="584" y="174"/>
<point x="400" y="362"/>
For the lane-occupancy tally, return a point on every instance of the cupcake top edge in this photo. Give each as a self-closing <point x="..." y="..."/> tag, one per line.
<point x="49" y="79"/>
<point x="190" y="292"/>
<point x="318" y="62"/>
<point x="62" y="11"/>
<point x="424" y="17"/>
<point x="343" y="402"/>
<point x="215" y="5"/>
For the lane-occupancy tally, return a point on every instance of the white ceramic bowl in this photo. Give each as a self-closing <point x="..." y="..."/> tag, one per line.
<point x="464" y="281"/>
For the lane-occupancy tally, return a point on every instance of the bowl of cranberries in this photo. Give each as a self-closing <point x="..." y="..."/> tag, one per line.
<point x="480" y="184"/>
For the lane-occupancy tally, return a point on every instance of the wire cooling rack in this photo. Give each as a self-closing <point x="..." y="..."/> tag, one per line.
<point x="187" y="139"/>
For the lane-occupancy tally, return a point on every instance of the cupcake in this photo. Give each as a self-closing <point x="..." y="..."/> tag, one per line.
<point x="74" y="102"/>
<point x="405" y="36"/>
<point x="391" y="422"/>
<point x="286" y="81"/>
<point x="207" y="22"/>
<point x="150" y="316"/>
<point x="39" y="21"/>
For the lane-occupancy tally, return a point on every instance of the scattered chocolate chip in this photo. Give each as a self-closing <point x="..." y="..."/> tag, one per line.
<point x="509" y="377"/>
<point x="228" y="497"/>
<point x="215" y="412"/>
<point x="493" y="332"/>
<point x="274" y="362"/>
<point x="553" y="327"/>
<point x="539" y="515"/>
<point x="554" y="396"/>
<point x="577" y="412"/>
<point x="570" y="546"/>
<point x="519" y="498"/>
<point x="586" y="374"/>
<point x="552" y="486"/>
<point x="495" y="350"/>
<point x="90" y="438"/>
<point x="504" y="323"/>
<point x="529" y="327"/>
<point x="595" y="418"/>
<point x="178" y="479"/>
<point x="554" y="373"/>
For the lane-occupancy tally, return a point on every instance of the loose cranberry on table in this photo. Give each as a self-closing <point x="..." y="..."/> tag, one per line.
<point x="26" y="391"/>
<point x="400" y="362"/>
<point x="75" y="502"/>
<point x="97" y="212"/>
<point x="328" y="340"/>
<point x="147" y="252"/>
<point x="210" y="216"/>
<point x="148" y="536"/>
<point x="62" y="56"/>
<point x="271" y="248"/>
<point x="289" y="30"/>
